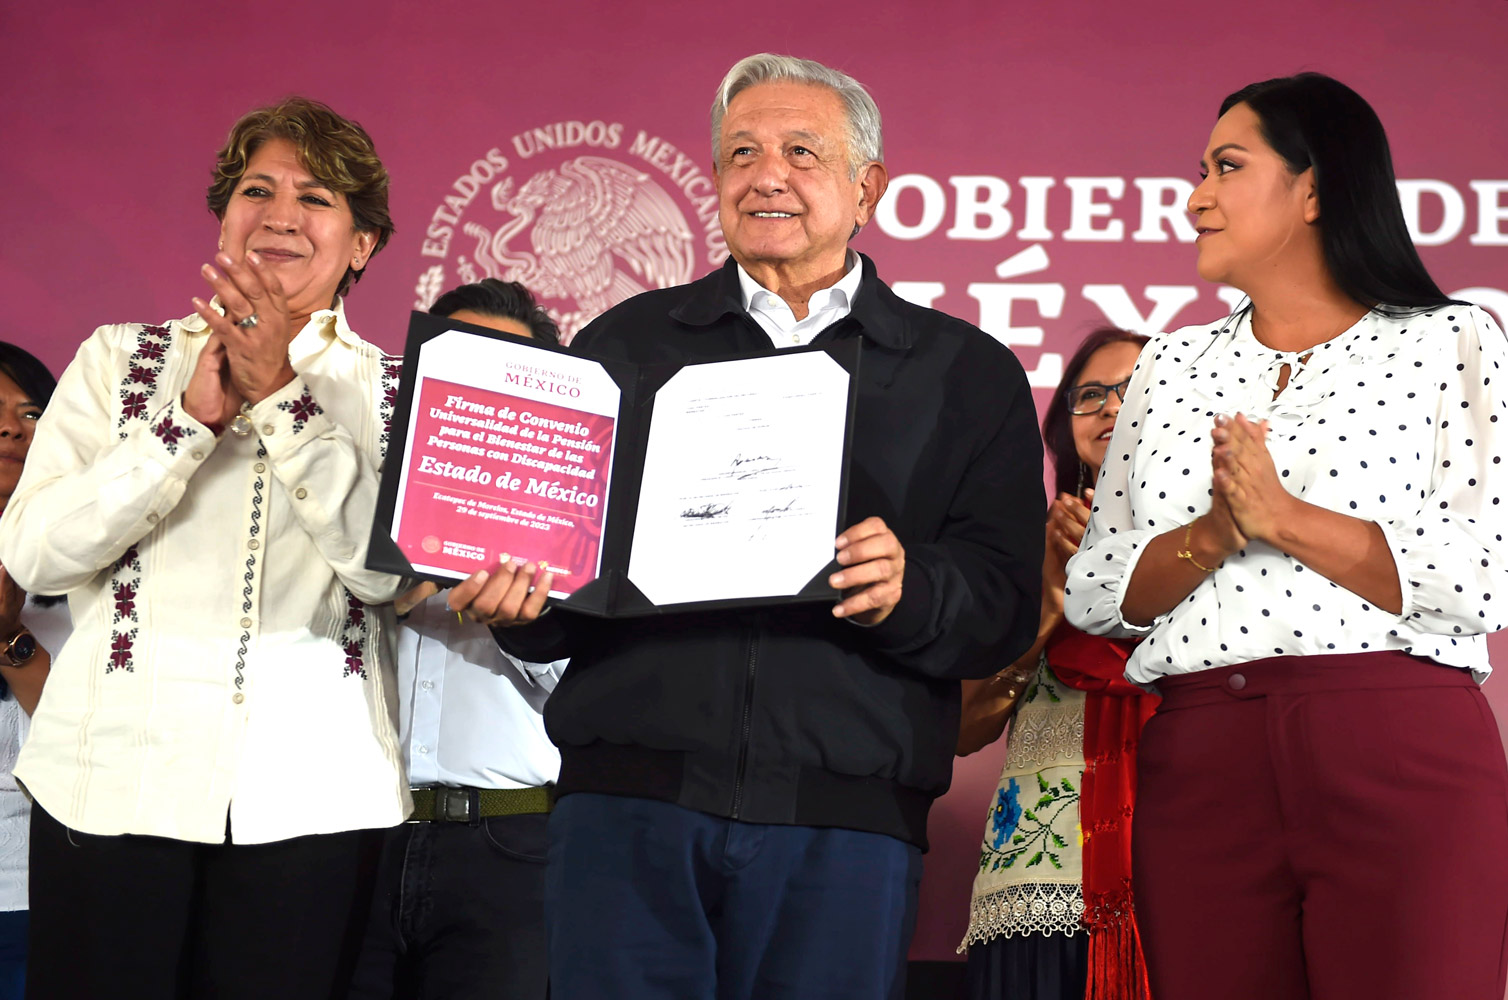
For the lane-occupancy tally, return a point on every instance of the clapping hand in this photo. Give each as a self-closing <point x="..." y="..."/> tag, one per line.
<point x="211" y="398"/>
<point x="240" y="361"/>
<point x="1246" y="480"/>
<point x="1066" y="520"/>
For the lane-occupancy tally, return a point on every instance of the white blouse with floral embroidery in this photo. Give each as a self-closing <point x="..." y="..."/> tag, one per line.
<point x="225" y="657"/>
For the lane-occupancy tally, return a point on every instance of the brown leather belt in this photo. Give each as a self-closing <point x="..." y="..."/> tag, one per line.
<point x="446" y="804"/>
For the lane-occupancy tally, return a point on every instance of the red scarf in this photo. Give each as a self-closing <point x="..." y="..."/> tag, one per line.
<point x="1114" y="712"/>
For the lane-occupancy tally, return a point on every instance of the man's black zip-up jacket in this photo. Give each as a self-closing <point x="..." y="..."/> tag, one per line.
<point x="789" y="715"/>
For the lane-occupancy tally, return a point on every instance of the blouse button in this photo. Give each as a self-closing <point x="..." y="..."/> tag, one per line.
<point x="237" y="698"/>
<point x="1236" y="681"/>
<point x="153" y="518"/>
<point x="197" y="455"/>
<point x="246" y="623"/>
<point x="300" y="493"/>
<point x="253" y="545"/>
<point x="268" y="430"/>
<point x="259" y="467"/>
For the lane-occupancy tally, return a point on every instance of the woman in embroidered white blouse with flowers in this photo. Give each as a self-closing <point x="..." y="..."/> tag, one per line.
<point x="214" y="753"/>
<point x="1301" y="510"/>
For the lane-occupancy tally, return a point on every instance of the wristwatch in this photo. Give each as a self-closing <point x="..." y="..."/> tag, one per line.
<point x="19" y="648"/>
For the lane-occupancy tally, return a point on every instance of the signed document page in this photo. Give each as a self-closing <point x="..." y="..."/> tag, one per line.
<point x="742" y="480"/>
<point x="509" y="452"/>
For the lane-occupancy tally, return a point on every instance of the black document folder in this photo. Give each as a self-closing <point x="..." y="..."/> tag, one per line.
<point x="692" y="549"/>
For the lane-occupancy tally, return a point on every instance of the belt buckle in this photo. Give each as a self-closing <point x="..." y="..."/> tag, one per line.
<point x="456" y="805"/>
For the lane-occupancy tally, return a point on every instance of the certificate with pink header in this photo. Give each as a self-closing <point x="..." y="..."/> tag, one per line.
<point x="619" y="478"/>
<point x="507" y="452"/>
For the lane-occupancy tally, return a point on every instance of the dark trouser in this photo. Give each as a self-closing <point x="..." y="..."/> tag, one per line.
<point x="1029" y="967"/>
<point x="649" y="900"/>
<point x="12" y="954"/>
<point x="159" y="919"/>
<point x="1323" y="828"/>
<point x="459" y="912"/>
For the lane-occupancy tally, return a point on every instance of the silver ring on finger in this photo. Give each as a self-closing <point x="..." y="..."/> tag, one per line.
<point x="248" y="323"/>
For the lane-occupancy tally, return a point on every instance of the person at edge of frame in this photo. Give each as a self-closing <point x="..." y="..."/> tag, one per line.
<point x="32" y="628"/>
<point x="213" y="757"/>
<point x="1299" y="513"/>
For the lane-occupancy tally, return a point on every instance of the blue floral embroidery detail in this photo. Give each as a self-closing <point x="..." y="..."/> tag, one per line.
<point x="1007" y="813"/>
<point x="1014" y="832"/>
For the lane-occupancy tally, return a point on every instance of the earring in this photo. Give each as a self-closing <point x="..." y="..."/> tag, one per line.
<point x="221" y="244"/>
<point x="1083" y="470"/>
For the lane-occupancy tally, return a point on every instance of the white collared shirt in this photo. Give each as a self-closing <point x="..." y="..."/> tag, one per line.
<point x="824" y="308"/>
<point x="226" y="654"/>
<point x="469" y="713"/>
<point x="1397" y="421"/>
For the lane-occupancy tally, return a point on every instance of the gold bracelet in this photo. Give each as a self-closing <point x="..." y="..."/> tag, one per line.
<point x="1188" y="551"/>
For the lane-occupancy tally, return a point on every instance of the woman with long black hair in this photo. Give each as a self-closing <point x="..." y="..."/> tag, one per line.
<point x="1301" y="512"/>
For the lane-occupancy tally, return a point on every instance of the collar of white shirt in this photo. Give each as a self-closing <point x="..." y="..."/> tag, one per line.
<point x="824" y="308"/>
<point x="323" y="325"/>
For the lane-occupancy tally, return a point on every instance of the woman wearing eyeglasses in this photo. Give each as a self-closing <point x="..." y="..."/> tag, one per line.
<point x="1055" y="861"/>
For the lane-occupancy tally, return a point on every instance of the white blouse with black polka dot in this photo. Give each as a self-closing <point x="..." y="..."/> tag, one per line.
<point x="1397" y="420"/>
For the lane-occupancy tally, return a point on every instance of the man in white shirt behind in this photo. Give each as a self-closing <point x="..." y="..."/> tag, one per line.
<point x="459" y="906"/>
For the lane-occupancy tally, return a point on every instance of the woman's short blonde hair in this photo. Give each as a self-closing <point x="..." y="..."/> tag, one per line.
<point x="336" y="150"/>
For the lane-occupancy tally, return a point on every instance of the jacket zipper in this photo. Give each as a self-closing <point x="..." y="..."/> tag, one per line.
<point x="747" y="729"/>
<point x="748" y="726"/>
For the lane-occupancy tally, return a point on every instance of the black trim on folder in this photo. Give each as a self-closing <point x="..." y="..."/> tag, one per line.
<point x="612" y="594"/>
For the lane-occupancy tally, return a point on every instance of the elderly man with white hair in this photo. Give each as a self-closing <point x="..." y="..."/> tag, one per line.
<point x="744" y="794"/>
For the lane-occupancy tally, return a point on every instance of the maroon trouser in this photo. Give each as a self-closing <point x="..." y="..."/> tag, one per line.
<point x="1323" y="828"/>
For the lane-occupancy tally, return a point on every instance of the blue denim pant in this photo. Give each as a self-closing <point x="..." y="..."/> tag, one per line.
<point x="645" y="899"/>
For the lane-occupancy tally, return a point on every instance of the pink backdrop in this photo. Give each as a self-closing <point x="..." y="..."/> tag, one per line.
<point x="1076" y="118"/>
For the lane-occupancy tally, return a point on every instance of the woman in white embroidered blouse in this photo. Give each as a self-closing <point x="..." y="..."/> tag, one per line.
<point x="215" y="751"/>
<point x="1300" y="510"/>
